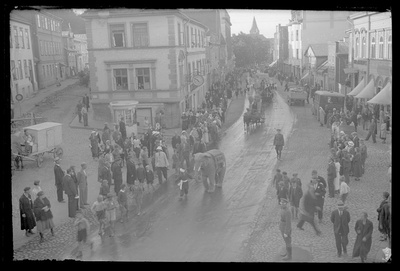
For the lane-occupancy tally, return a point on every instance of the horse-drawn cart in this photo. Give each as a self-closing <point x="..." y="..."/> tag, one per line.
<point x="47" y="137"/>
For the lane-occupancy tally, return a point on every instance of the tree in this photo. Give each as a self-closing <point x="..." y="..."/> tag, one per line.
<point x="249" y="49"/>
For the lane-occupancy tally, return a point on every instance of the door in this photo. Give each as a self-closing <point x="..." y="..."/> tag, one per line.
<point x="141" y="113"/>
<point x="50" y="138"/>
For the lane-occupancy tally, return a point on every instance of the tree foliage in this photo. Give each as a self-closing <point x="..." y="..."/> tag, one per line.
<point x="250" y="49"/>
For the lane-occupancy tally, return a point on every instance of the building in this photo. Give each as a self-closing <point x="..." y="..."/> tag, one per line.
<point x="315" y="62"/>
<point x="370" y="49"/>
<point x="70" y="53"/>
<point x="281" y="50"/>
<point x="47" y="46"/>
<point x="80" y="44"/>
<point x="337" y="60"/>
<point x="313" y="27"/>
<point x="254" y="28"/>
<point x="154" y="57"/>
<point x="23" y="75"/>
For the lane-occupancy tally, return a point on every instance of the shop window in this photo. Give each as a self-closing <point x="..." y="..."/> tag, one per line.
<point x="21" y="76"/>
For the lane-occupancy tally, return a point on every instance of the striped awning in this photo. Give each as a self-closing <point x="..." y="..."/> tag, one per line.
<point x="368" y="92"/>
<point x="357" y="89"/>
<point x="384" y="97"/>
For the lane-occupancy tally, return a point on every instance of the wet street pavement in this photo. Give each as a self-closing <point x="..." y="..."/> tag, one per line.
<point x="205" y="227"/>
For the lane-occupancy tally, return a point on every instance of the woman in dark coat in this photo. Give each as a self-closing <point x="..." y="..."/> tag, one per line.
<point x="26" y="212"/>
<point x="362" y="246"/>
<point x="384" y="217"/>
<point x="346" y="163"/>
<point x="44" y="216"/>
<point x="130" y="171"/>
<point x="357" y="171"/>
<point x="94" y="145"/>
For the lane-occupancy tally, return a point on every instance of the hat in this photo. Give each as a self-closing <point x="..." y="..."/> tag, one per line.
<point x="342" y="133"/>
<point x="283" y="200"/>
<point x="182" y="170"/>
<point x="278" y="129"/>
<point x="340" y="204"/>
<point x="26" y="189"/>
<point x="57" y="159"/>
<point x="295" y="174"/>
<point x="351" y="144"/>
<point x="159" y="148"/>
<point x="93" y="132"/>
<point x="36" y="182"/>
<point x="40" y="193"/>
<point x="314" y="171"/>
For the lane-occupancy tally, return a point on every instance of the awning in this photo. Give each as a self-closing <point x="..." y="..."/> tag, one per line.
<point x="323" y="67"/>
<point x="357" y="89"/>
<point x="305" y="76"/>
<point x="273" y="63"/>
<point x="384" y="96"/>
<point x="368" y="92"/>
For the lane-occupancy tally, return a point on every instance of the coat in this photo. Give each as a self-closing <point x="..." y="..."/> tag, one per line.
<point x="83" y="186"/>
<point x="308" y="207"/>
<point x="295" y="194"/>
<point x="384" y="217"/>
<point x="342" y="222"/>
<point x="161" y="159"/>
<point x="357" y="170"/>
<point x="149" y="176"/>
<point x="285" y="225"/>
<point x="130" y="172"/>
<point x="277" y="179"/>
<point x="26" y="208"/>
<point x="175" y="140"/>
<point x="279" y="140"/>
<point x="331" y="172"/>
<point x="122" y="129"/>
<point x="59" y="174"/>
<point x="362" y="248"/>
<point x="141" y="174"/>
<point x="40" y="214"/>
<point x="69" y="186"/>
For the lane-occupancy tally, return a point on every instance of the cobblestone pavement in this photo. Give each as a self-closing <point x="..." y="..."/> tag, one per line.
<point x="305" y="150"/>
<point x="62" y="245"/>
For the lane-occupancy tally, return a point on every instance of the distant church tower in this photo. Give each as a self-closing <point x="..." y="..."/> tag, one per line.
<point x="254" y="29"/>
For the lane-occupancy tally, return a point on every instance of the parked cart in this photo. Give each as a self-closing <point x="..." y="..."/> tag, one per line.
<point x="47" y="138"/>
<point x="296" y="95"/>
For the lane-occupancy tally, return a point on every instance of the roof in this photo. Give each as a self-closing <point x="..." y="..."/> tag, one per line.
<point x="320" y="49"/>
<point x="254" y="28"/>
<point x="43" y="126"/>
<point x="384" y="96"/>
<point x="329" y="93"/>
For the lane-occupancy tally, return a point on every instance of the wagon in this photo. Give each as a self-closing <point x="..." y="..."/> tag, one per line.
<point x="47" y="138"/>
<point x="296" y="95"/>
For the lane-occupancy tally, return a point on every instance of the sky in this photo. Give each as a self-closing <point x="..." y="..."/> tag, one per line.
<point x="267" y="20"/>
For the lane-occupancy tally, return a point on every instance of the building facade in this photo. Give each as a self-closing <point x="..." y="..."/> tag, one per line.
<point x="81" y="46"/>
<point x="23" y="75"/>
<point x="154" y="57"/>
<point x="315" y="56"/>
<point x="281" y="52"/>
<point x="70" y="53"/>
<point x="337" y="62"/>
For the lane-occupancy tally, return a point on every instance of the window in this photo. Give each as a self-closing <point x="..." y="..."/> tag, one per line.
<point x="52" y="25"/>
<point x="297" y="35"/>
<point x="30" y="68"/>
<point x="38" y="20"/>
<point x="373" y="47"/>
<point x="44" y="71"/>
<point x="27" y="39"/>
<point x="291" y="35"/>
<point x="179" y="35"/>
<point x="192" y="37"/>
<point x="26" y="69"/>
<point x="187" y="36"/>
<point x="357" y="47"/>
<point x="297" y="53"/>
<point x="121" y="79"/>
<point x="195" y="38"/>
<point x="47" y="70"/>
<point x="143" y="78"/>
<point x="14" y="70"/>
<point x="42" y="21"/>
<point x="117" y="35"/>
<point x="381" y="47"/>
<point x="41" y="47"/>
<point x="11" y="41"/>
<point x="16" y="37"/>
<point x="389" y="47"/>
<point x="45" y="48"/>
<point x="140" y="35"/>
<point x="21" y="76"/>
<point x="45" y="23"/>
<point x="363" y="48"/>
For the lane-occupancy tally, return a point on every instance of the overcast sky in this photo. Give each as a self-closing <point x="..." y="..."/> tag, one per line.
<point x="267" y="20"/>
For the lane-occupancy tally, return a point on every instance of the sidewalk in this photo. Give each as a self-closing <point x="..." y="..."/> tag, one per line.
<point x="28" y="104"/>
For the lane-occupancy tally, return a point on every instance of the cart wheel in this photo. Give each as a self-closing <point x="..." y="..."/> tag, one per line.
<point x="58" y="152"/>
<point x="39" y="159"/>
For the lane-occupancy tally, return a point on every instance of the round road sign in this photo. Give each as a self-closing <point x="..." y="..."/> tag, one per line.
<point x="19" y="97"/>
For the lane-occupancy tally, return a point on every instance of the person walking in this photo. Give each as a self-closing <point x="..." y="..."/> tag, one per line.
<point x="149" y="174"/>
<point x="59" y="175"/>
<point x="94" y="145"/>
<point x="183" y="184"/>
<point x="43" y="214"/>
<point x="99" y="208"/>
<point x="336" y="182"/>
<point x="161" y="163"/>
<point x="384" y="217"/>
<point x="26" y="212"/>
<point x="138" y="190"/>
<point x="71" y="190"/>
<point x="283" y="192"/>
<point x="277" y="178"/>
<point x="331" y="177"/>
<point x="362" y="245"/>
<point x="309" y="208"/>
<point x="116" y="169"/>
<point x="111" y="215"/>
<point x="130" y="171"/>
<point x="279" y="142"/>
<point x="341" y="219"/>
<point x="285" y="226"/>
<point x="75" y="178"/>
<point x="85" y="101"/>
<point x="320" y="191"/>
<point x="79" y="111"/>
<point x="321" y="116"/>
<point x="83" y="227"/>
<point x="356" y="162"/>
<point x="295" y="194"/>
<point x="344" y="189"/>
<point x="364" y="155"/>
<point x="123" y="203"/>
<point x="175" y="140"/>
<point x="82" y="185"/>
<point x="372" y="130"/>
<point x="383" y="131"/>
<point x="84" y="113"/>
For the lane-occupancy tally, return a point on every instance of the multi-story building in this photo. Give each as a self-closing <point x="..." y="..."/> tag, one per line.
<point x="281" y="52"/>
<point x="156" y="58"/>
<point x="23" y="75"/>
<point x="337" y="60"/>
<point x="47" y="46"/>
<point x="82" y="48"/>
<point x="315" y="59"/>
<point x="70" y="53"/>
<point x="313" y="27"/>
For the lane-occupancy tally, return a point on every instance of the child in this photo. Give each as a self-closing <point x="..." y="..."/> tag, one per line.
<point x="175" y="161"/>
<point x="83" y="228"/>
<point x="123" y="202"/>
<point x="111" y="215"/>
<point x="100" y="210"/>
<point x="104" y="188"/>
<point x="137" y="195"/>
<point x="141" y="175"/>
<point x="183" y="179"/>
<point x="344" y="189"/>
<point x="149" y="177"/>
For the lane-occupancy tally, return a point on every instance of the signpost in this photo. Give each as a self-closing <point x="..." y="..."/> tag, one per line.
<point x="19" y="98"/>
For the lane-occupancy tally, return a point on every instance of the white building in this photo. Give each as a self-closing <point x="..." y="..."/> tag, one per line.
<point x="23" y="76"/>
<point x="155" y="57"/>
<point x="80" y="42"/>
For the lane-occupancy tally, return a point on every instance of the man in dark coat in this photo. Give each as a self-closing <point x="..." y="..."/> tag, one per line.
<point x="372" y="130"/>
<point x="277" y="178"/>
<point x="384" y="217"/>
<point x="105" y="173"/>
<point x="364" y="229"/>
<point x="279" y="142"/>
<point x="309" y="207"/>
<point x="175" y="140"/>
<point x="59" y="175"/>
<point x="116" y="169"/>
<point x="331" y="177"/>
<point x="285" y="226"/>
<point x="26" y="212"/>
<point x="85" y="101"/>
<point x="130" y="171"/>
<point x="320" y="191"/>
<point x="341" y="219"/>
<point x="71" y="190"/>
<point x="122" y="129"/>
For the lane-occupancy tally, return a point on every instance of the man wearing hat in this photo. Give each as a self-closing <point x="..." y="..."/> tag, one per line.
<point x="340" y="219"/>
<point x="285" y="226"/>
<point x="82" y="185"/>
<point x="279" y="142"/>
<point x="59" y="175"/>
<point x="320" y="191"/>
<point x="161" y="163"/>
<point x="71" y="190"/>
<point x="26" y="212"/>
